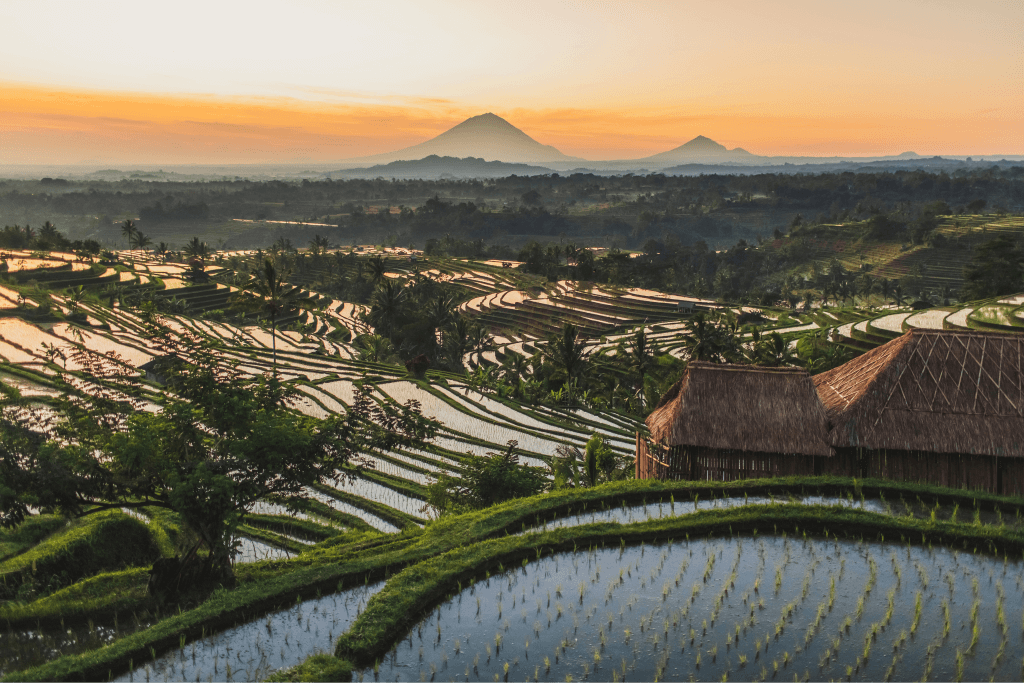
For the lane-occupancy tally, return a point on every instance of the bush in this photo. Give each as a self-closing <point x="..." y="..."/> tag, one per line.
<point x="487" y="481"/>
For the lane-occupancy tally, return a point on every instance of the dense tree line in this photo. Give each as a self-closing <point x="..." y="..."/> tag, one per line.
<point x="631" y="209"/>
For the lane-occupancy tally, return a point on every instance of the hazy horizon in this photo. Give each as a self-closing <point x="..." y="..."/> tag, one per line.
<point x="220" y="84"/>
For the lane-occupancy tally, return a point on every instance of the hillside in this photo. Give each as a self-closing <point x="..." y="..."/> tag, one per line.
<point x="934" y="265"/>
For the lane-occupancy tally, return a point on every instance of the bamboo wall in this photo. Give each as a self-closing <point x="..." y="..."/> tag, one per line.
<point x="1000" y="475"/>
<point x="698" y="464"/>
<point x="990" y="473"/>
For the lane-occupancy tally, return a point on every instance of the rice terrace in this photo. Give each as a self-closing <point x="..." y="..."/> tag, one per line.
<point x="536" y="341"/>
<point x="748" y="540"/>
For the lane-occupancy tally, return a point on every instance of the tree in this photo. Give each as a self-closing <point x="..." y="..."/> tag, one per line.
<point x="485" y="482"/>
<point x="772" y="351"/>
<point x="711" y="339"/>
<point x="568" y="353"/>
<point x="387" y="305"/>
<point x="195" y="249"/>
<point x="20" y="442"/>
<point x="885" y="288"/>
<point x="996" y="268"/>
<point x="128" y="230"/>
<point x="897" y="294"/>
<point x="141" y="240"/>
<point x="639" y="355"/>
<point x="514" y="368"/>
<point x="74" y="298"/>
<point x="375" y="348"/>
<point x="221" y="442"/>
<point x="319" y="245"/>
<point x="462" y="336"/>
<point x="49" y="234"/>
<point x="377" y="266"/>
<point x="597" y="463"/>
<point x="820" y="355"/>
<point x="270" y="297"/>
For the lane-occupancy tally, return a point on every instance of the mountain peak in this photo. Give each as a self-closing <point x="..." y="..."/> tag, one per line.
<point x="485" y="136"/>
<point x="700" y="148"/>
<point x="703" y="144"/>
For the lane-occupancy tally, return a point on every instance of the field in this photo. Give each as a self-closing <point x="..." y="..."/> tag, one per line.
<point x="646" y="579"/>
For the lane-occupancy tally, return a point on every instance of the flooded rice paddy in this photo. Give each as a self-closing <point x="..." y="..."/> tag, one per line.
<point x="21" y="649"/>
<point x="254" y="650"/>
<point x="743" y="608"/>
<point x="919" y="509"/>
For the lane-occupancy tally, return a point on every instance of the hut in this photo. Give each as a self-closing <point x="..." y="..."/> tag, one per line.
<point x="723" y="422"/>
<point x="936" y="406"/>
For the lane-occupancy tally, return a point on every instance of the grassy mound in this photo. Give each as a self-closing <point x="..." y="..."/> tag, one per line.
<point x="105" y="541"/>
<point x="33" y="530"/>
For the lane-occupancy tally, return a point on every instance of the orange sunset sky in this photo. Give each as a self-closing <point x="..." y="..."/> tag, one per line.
<point x="221" y="82"/>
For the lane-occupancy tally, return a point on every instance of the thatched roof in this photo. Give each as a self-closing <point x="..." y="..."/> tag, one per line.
<point x="742" y="408"/>
<point x="939" y="391"/>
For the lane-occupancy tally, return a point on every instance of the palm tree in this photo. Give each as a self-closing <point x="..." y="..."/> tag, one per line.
<point x="196" y="249"/>
<point x="712" y="340"/>
<point x="162" y="249"/>
<point x="141" y="240"/>
<point x="74" y="298"/>
<point x="462" y="336"/>
<point x="268" y="295"/>
<point x="867" y="285"/>
<point x="568" y="352"/>
<point x="439" y="311"/>
<point x="772" y="351"/>
<point x="387" y="303"/>
<point x="845" y="290"/>
<point x="48" y="231"/>
<point x="514" y="367"/>
<point x="319" y="245"/>
<point x="377" y="266"/>
<point x="129" y="231"/>
<point x="885" y="288"/>
<point x="639" y="355"/>
<point x="701" y="340"/>
<point x="897" y="294"/>
<point x="374" y="348"/>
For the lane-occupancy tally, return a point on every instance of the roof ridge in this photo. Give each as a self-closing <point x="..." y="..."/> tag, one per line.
<point x="738" y="367"/>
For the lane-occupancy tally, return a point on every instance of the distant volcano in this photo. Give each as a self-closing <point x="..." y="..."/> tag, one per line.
<point x="487" y="136"/>
<point x="700" y="149"/>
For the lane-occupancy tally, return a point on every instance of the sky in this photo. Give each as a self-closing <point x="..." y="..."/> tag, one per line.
<point x="257" y="82"/>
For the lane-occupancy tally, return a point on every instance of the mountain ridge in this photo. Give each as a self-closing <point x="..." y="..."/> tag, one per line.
<point x="434" y="166"/>
<point x="490" y="138"/>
